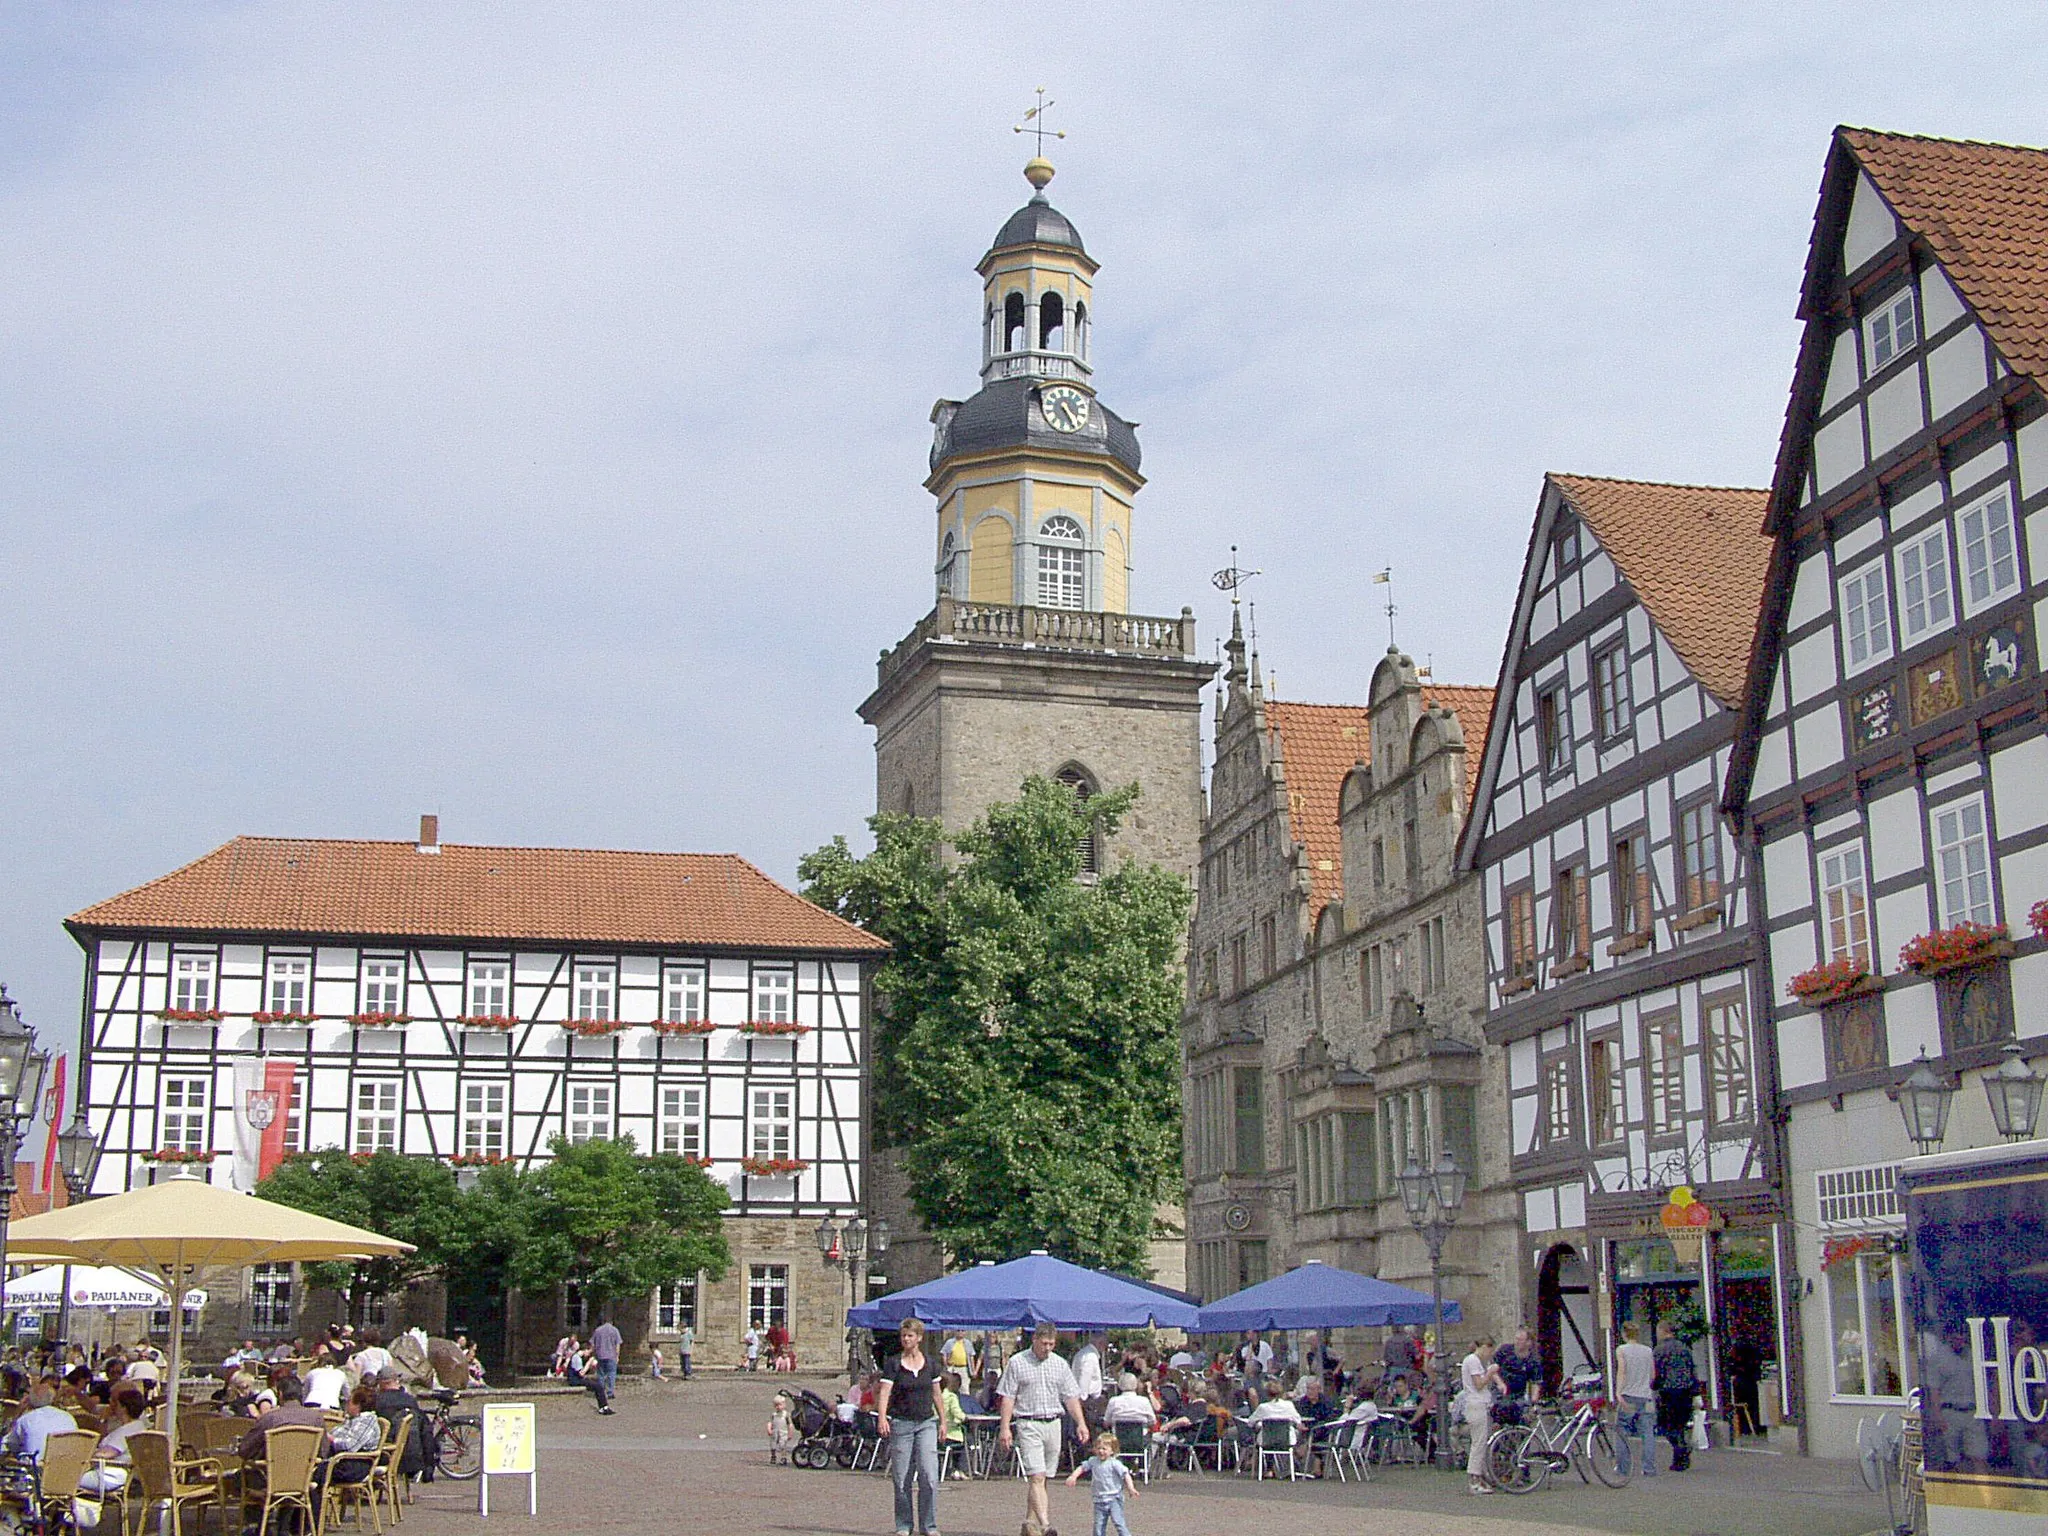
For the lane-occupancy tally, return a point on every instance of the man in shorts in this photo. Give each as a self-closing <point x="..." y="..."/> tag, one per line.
<point x="1037" y="1386"/>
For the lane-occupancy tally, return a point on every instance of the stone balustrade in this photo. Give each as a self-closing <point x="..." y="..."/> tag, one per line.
<point x="1063" y="629"/>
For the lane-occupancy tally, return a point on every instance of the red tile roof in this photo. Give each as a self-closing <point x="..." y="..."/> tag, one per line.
<point x="1696" y="556"/>
<point x="568" y="895"/>
<point x="1983" y="211"/>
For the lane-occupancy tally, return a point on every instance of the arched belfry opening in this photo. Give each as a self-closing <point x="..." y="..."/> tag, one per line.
<point x="1082" y="783"/>
<point x="1013" y="323"/>
<point x="1052" y="323"/>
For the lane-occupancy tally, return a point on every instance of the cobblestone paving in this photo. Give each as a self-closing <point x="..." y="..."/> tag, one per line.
<point x="694" y="1457"/>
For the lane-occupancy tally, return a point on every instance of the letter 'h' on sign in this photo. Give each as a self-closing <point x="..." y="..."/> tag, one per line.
<point x="2020" y="1380"/>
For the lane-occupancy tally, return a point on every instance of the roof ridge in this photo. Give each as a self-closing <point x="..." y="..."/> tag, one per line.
<point x="407" y="842"/>
<point x="1662" y="485"/>
<point x="1936" y="138"/>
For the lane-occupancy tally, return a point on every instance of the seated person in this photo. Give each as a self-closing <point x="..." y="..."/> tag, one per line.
<point x="352" y="1440"/>
<point x="326" y="1382"/>
<point x="952" y="1416"/>
<point x="291" y="1409"/>
<point x="126" y="1416"/>
<point x="41" y="1419"/>
<point x="103" y="1390"/>
<point x="1131" y="1405"/>
<point x="1277" y="1407"/>
<point x="1318" y="1414"/>
<point x="422" y="1454"/>
<point x="845" y="1410"/>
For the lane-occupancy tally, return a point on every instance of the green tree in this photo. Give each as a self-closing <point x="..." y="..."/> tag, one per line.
<point x="413" y="1199"/>
<point x="613" y="1223"/>
<point x="1027" y="1059"/>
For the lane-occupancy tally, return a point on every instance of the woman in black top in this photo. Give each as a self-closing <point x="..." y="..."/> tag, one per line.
<point x="912" y="1385"/>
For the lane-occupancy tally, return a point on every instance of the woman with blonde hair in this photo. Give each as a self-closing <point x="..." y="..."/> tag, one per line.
<point x="911" y="1387"/>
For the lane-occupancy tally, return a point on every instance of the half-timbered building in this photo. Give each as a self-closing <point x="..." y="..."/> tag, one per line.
<point x="1892" y="773"/>
<point x="1336" y="991"/>
<point x="1623" y="984"/>
<point x="474" y="1004"/>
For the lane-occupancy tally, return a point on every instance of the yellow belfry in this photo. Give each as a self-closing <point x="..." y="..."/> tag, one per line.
<point x="1034" y="476"/>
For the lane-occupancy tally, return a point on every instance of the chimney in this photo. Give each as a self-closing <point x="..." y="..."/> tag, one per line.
<point x="430" y="834"/>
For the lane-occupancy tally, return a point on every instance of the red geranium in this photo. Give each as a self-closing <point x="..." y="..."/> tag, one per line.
<point x="1825" y="983"/>
<point x="774" y="1027"/>
<point x="190" y="1015"/>
<point x="684" y="1026"/>
<point x="488" y="1021"/>
<point x="379" y="1020"/>
<point x="770" y="1167"/>
<point x="590" y="1028"/>
<point x="1952" y="946"/>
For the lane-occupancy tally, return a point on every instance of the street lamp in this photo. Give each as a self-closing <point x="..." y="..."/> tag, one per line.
<point x="21" y="1089"/>
<point x="1432" y="1198"/>
<point x="2015" y="1094"/>
<point x="850" y="1245"/>
<point x="1924" y="1100"/>
<point x="78" y="1158"/>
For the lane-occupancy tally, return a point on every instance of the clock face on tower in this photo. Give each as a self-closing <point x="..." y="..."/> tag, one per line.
<point x="1064" y="407"/>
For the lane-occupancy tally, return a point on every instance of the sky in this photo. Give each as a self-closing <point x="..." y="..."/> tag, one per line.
<point x="519" y="412"/>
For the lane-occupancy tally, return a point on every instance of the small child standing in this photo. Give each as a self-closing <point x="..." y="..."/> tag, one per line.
<point x="1111" y="1482"/>
<point x="781" y="1429"/>
<point x="654" y="1363"/>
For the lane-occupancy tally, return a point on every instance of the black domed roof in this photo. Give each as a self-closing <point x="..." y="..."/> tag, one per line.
<point x="1038" y="223"/>
<point x="1005" y="414"/>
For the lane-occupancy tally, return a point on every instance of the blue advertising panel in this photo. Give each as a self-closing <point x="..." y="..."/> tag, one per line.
<point x="1977" y="1236"/>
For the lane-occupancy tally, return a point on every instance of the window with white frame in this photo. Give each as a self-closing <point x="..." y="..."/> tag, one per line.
<point x="1699" y="848"/>
<point x="682" y="1119"/>
<point x="1611" y="711"/>
<point x="1926" y="603"/>
<point x="183" y="1123"/>
<point x="774" y="995"/>
<point x="1866" y="618"/>
<point x="1990" y="556"/>
<point x="1061" y="564"/>
<point x="1559" y="1120"/>
<point x="376" y="1116"/>
<point x="490" y="989"/>
<point x="1731" y="1099"/>
<point x="683" y="993"/>
<point x="771" y="1129"/>
<point x="483" y="1119"/>
<point x="1962" y="863"/>
<point x="192" y="983"/>
<point x="291" y="980"/>
<point x="1664" y="1074"/>
<point x="383" y="986"/>
<point x="270" y="1298"/>
<point x="590" y="1112"/>
<point x="1891" y="329"/>
<point x="767" y="1296"/>
<point x="595" y="985"/>
<point x="1866" y="1321"/>
<point x="675" y="1306"/>
<point x="1845" y="904"/>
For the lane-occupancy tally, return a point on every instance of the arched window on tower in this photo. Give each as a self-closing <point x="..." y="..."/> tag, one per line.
<point x="1084" y="790"/>
<point x="990" y="341"/>
<point x="1052" y="323"/>
<point x="1080" y="330"/>
<point x="1061" y="564"/>
<point x="1014" y="339"/>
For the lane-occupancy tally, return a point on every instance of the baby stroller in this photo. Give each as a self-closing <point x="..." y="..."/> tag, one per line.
<point x="814" y="1427"/>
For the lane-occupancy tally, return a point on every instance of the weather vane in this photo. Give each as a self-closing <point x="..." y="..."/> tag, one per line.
<point x="1231" y="577"/>
<point x="1034" y="123"/>
<point x="1385" y="578"/>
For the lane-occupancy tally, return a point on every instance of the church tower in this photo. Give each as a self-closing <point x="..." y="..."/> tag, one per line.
<point x="1030" y="660"/>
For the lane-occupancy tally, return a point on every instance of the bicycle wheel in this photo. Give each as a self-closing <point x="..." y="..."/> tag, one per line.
<point x="461" y="1443"/>
<point x="1599" y="1453"/>
<point x="1508" y="1464"/>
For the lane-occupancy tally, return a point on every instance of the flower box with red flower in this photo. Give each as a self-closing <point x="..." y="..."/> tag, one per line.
<point x="774" y="1028"/>
<point x="190" y="1015"/>
<point x="288" y="1016"/>
<point x="178" y="1155"/>
<point x="501" y="1022"/>
<point x="772" y="1167"/>
<point x="1948" y="949"/>
<point x="380" y="1020"/>
<point x="479" y="1160"/>
<point x="699" y="1162"/>
<point x="1840" y="1250"/>
<point x="684" y="1028"/>
<point x="592" y="1029"/>
<point x="1833" y="981"/>
<point x="2037" y="918"/>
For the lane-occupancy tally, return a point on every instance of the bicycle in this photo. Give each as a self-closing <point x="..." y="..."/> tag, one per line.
<point x="1521" y="1457"/>
<point x="458" y="1437"/>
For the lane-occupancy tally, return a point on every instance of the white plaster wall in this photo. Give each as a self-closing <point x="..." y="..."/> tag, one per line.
<point x="1895" y="834"/>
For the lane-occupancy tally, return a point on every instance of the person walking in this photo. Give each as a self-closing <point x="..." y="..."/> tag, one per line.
<point x="686" y="1347"/>
<point x="1109" y="1480"/>
<point x="752" y="1339"/>
<point x="912" y="1388"/>
<point x="1480" y="1379"/>
<point x="604" y="1346"/>
<point x="1676" y="1382"/>
<point x="1635" y="1367"/>
<point x="1036" y="1387"/>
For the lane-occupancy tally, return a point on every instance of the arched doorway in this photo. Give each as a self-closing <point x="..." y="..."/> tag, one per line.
<point x="1566" y="1332"/>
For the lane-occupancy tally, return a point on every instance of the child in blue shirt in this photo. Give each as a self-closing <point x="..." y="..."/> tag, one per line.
<point x="1111" y="1482"/>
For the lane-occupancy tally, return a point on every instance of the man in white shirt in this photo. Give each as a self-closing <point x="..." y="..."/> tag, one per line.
<point x="144" y="1368"/>
<point x="326" y="1383"/>
<point x="371" y="1359"/>
<point x="1635" y="1365"/>
<point x="1129" y="1406"/>
<point x="1036" y="1386"/>
<point x="29" y="1433"/>
<point x="1256" y="1357"/>
<point x="1087" y="1369"/>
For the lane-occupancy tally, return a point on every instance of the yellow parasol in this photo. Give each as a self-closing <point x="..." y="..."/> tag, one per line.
<point x="174" y="1228"/>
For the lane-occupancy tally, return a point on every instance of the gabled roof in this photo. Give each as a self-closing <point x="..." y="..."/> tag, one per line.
<point x="1695" y="555"/>
<point x="1983" y="211"/>
<point x="563" y="895"/>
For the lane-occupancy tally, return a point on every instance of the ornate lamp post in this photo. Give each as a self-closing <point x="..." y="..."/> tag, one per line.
<point x="1433" y="1197"/>
<point x="21" y="1089"/>
<point x="1924" y="1100"/>
<point x="2015" y="1094"/>
<point x="849" y="1246"/>
<point x="78" y="1158"/>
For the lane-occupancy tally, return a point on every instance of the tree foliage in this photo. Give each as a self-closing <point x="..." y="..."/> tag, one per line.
<point x="1027" y="1060"/>
<point x="615" y="1223"/>
<point x="413" y="1199"/>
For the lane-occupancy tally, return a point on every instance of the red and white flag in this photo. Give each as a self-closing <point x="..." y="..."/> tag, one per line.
<point x="263" y="1098"/>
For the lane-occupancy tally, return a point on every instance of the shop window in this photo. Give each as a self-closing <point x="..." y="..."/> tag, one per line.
<point x="1866" y="1323"/>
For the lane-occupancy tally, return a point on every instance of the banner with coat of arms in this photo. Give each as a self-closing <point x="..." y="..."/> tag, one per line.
<point x="263" y="1096"/>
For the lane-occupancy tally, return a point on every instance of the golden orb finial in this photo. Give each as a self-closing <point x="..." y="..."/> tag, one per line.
<point x="1038" y="171"/>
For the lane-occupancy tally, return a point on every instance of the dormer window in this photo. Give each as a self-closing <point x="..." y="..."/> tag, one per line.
<point x="1891" y="330"/>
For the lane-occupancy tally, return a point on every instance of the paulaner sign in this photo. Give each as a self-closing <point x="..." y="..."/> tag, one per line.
<point x="2012" y="1384"/>
<point x="1977" y="1276"/>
